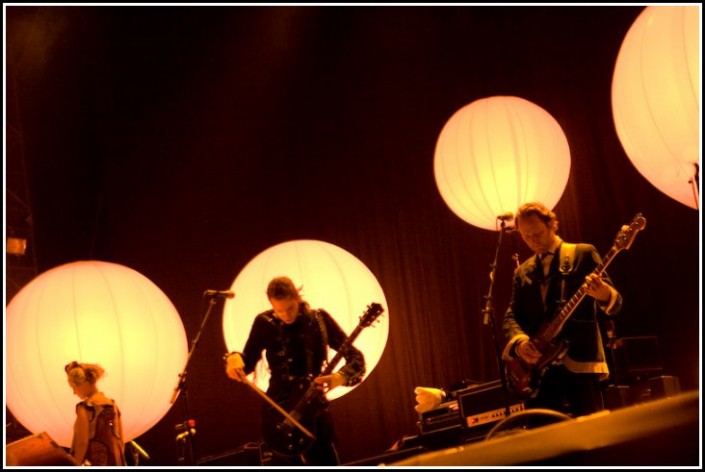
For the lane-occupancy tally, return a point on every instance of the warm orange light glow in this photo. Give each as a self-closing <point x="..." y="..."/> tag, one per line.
<point x="497" y="153"/>
<point x="332" y="279"/>
<point x="656" y="98"/>
<point x="95" y="312"/>
<point x="16" y="246"/>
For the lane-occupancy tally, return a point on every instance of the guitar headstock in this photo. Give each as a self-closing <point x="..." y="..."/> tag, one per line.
<point x="626" y="235"/>
<point x="371" y="314"/>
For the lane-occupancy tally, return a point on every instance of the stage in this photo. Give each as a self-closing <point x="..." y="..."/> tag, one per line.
<point x="663" y="432"/>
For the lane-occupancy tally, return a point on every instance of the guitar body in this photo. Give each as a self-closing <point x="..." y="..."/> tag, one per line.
<point x="524" y="378"/>
<point x="281" y="435"/>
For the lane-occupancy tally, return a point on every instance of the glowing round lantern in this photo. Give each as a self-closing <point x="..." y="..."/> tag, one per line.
<point x="497" y="153"/>
<point x="94" y="312"/>
<point x="330" y="277"/>
<point x="656" y="98"/>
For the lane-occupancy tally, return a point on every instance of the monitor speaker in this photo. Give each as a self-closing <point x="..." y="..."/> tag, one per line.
<point x="37" y="450"/>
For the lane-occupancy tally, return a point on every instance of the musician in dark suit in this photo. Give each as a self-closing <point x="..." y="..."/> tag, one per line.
<point x="541" y="285"/>
<point x="295" y="338"/>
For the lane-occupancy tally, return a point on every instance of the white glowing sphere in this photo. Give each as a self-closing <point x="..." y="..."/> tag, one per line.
<point x="497" y="153"/>
<point x="331" y="278"/>
<point x="656" y="98"/>
<point x="99" y="313"/>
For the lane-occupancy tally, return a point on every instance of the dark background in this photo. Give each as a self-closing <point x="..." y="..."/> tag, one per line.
<point x="182" y="141"/>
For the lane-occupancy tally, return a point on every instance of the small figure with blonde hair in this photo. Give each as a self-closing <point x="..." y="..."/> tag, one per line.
<point x="97" y="432"/>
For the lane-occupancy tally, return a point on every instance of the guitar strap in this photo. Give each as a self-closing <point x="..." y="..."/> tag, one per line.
<point x="567" y="257"/>
<point x="324" y="332"/>
<point x="567" y="264"/>
<point x="310" y="346"/>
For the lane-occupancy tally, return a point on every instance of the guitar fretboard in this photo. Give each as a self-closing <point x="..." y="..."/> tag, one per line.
<point x="339" y="353"/>
<point x="550" y="330"/>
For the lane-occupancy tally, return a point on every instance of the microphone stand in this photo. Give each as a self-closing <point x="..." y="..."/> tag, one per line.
<point x="187" y="429"/>
<point x="489" y="319"/>
<point x="137" y="451"/>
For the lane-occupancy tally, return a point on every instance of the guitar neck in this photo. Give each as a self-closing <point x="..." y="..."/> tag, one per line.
<point x="339" y="352"/>
<point x="550" y="330"/>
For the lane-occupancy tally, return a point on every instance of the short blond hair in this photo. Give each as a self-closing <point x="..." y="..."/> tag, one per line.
<point x="79" y="373"/>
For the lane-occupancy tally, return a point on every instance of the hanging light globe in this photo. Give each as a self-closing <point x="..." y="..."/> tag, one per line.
<point x="656" y="99"/>
<point x="497" y="153"/>
<point x="330" y="278"/>
<point x="98" y="313"/>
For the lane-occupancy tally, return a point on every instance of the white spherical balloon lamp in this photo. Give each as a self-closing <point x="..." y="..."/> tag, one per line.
<point x="331" y="278"/>
<point x="497" y="153"/>
<point x="93" y="312"/>
<point x="656" y="99"/>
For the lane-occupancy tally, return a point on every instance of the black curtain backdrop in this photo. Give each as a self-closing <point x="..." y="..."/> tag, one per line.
<point x="182" y="141"/>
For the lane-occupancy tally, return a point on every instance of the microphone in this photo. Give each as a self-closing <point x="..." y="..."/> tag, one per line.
<point x="508" y="216"/>
<point x="219" y="293"/>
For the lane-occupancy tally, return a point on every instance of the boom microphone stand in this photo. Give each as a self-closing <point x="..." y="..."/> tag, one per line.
<point x="488" y="310"/>
<point x="187" y="429"/>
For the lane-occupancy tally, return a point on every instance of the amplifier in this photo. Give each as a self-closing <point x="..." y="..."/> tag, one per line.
<point x="473" y="408"/>
<point x="492" y="416"/>
<point x="446" y="414"/>
<point x="487" y="403"/>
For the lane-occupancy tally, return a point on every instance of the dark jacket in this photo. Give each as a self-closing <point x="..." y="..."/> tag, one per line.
<point x="526" y="312"/>
<point x="298" y="350"/>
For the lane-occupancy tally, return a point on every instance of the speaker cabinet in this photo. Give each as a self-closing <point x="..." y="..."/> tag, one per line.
<point x="637" y="357"/>
<point x="37" y="450"/>
<point x="664" y="386"/>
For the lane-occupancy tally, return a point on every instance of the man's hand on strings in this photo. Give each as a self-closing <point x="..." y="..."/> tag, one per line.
<point x="526" y="350"/>
<point x="597" y="288"/>
<point x="329" y="382"/>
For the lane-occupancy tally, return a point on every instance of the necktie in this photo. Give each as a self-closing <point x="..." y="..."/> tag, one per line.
<point x="546" y="259"/>
<point x="543" y="262"/>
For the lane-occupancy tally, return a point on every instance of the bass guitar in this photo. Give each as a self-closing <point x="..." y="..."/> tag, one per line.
<point x="524" y="378"/>
<point x="289" y="436"/>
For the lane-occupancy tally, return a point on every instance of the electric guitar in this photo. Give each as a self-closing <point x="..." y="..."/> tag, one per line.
<point x="524" y="378"/>
<point x="286" y="436"/>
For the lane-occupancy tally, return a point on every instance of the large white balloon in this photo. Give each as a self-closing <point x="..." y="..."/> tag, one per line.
<point x="656" y="99"/>
<point x="331" y="278"/>
<point x="92" y="312"/>
<point x="497" y="153"/>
